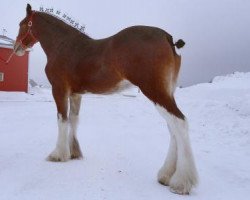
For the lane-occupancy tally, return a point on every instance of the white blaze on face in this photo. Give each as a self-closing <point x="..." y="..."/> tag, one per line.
<point x="19" y="51"/>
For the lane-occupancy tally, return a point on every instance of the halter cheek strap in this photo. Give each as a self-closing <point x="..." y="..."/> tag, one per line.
<point x="28" y="34"/>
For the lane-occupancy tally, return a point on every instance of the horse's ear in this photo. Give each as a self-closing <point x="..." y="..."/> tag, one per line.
<point x="28" y="9"/>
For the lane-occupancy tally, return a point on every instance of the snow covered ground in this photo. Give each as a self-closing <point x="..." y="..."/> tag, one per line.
<point x="124" y="141"/>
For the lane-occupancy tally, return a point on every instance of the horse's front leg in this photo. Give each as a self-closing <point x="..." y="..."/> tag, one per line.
<point x="62" y="150"/>
<point x="75" y="104"/>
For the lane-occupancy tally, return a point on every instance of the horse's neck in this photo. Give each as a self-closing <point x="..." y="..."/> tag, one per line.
<point x="48" y="34"/>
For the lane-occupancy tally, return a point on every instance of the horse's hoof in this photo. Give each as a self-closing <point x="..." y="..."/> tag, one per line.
<point x="163" y="180"/>
<point x="164" y="176"/>
<point x="179" y="191"/>
<point x="76" y="156"/>
<point x="182" y="184"/>
<point x="58" y="157"/>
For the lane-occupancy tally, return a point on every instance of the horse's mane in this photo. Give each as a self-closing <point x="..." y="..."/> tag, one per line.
<point x="62" y="19"/>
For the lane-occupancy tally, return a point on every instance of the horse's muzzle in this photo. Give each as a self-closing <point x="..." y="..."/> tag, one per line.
<point x="18" y="50"/>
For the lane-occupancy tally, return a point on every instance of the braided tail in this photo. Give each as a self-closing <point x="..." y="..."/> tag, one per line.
<point x="179" y="44"/>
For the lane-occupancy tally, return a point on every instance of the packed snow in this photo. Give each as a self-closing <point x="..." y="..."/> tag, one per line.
<point x="124" y="141"/>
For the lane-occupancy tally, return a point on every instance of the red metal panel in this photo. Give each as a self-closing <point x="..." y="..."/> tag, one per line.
<point x="15" y="72"/>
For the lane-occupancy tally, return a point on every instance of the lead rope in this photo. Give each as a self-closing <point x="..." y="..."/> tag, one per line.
<point x="8" y="60"/>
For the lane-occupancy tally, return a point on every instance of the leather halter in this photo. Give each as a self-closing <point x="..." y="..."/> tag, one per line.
<point x="28" y="34"/>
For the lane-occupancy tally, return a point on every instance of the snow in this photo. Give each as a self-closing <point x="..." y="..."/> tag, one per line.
<point x="124" y="141"/>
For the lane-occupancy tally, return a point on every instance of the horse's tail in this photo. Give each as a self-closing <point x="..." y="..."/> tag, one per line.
<point x="179" y="44"/>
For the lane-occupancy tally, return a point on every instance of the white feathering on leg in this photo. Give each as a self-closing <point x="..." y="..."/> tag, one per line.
<point x="61" y="152"/>
<point x="169" y="166"/>
<point x="185" y="176"/>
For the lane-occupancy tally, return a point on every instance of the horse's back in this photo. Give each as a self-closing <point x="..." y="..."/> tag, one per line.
<point x="139" y="37"/>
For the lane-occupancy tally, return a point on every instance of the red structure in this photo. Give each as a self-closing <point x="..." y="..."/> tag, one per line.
<point x="14" y="75"/>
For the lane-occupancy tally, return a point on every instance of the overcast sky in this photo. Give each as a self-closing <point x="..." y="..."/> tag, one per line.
<point x="216" y="32"/>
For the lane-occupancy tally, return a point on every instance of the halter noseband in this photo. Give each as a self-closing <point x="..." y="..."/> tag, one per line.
<point x="28" y="33"/>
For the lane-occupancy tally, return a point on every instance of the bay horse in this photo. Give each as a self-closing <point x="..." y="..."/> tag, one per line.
<point x="76" y="64"/>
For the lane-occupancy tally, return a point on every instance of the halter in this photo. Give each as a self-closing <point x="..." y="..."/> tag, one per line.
<point x="20" y="40"/>
<point x="28" y="34"/>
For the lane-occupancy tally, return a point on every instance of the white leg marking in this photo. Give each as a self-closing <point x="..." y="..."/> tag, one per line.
<point x="169" y="166"/>
<point x="61" y="152"/>
<point x="185" y="176"/>
<point x="73" y="121"/>
<point x="75" y="103"/>
<point x="75" y="149"/>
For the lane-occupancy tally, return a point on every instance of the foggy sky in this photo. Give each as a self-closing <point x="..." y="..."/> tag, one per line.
<point x="216" y="33"/>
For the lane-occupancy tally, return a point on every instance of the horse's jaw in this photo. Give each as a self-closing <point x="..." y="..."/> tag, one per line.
<point x="18" y="50"/>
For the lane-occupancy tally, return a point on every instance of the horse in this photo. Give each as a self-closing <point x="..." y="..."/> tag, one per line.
<point x="76" y="64"/>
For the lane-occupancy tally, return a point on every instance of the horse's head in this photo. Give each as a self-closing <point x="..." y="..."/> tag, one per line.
<point x="25" y="38"/>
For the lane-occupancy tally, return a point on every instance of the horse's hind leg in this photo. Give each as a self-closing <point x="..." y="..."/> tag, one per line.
<point x="169" y="166"/>
<point x="180" y="157"/>
<point x="178" y="171"/>
<point x="62" y="151"/>
<point x="75" y="104"/>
